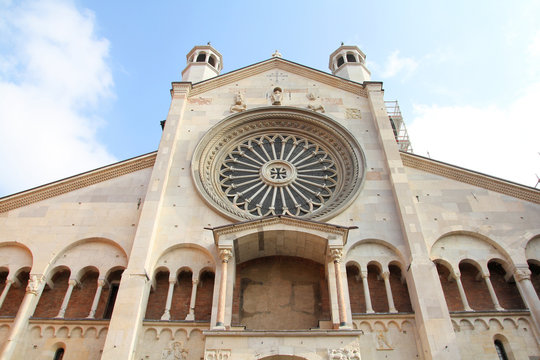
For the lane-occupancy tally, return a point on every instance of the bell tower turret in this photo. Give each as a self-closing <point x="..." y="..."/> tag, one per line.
<point x="203" y="62"/>
<point x="349" y="62"/>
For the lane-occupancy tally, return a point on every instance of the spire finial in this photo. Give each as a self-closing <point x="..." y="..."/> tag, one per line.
<point x="276" y="54"/>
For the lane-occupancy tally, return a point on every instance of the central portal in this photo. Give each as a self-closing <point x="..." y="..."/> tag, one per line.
<point x="280" y="293"/>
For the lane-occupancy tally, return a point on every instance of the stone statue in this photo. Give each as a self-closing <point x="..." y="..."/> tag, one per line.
<point x="277" y="96"/>
<point x="239" y="104"/>
<point x="276" y="54"/>
<point x="313" y="104"/>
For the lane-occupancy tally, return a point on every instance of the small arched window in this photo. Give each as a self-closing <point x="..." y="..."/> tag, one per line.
<point x="201" y="57"/>
<point x="501" y="353"/>
<point x="340" y="61"/>
<point x="59" y="354"/>
<point x="351" y="58"/>
<point x="212" y="61"/>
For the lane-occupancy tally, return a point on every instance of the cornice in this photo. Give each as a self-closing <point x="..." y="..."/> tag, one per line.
<point x="470" y="177"/>
<point x="282" y="64"/>
<point x="77" y="182"/>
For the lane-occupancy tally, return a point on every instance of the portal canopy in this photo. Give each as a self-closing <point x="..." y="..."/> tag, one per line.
<point x="280" y="235"/>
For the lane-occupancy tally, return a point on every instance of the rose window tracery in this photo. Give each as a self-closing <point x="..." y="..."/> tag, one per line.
<point x="278" y="175"/>
<point x="278" y="161"/>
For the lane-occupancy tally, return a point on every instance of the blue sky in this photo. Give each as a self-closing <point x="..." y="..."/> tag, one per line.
<point x="85" y="83"/>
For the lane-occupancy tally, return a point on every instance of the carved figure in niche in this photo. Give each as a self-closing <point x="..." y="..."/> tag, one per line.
<point x="276" y="96"/>
<point x="33" y="284"/>
<point x="239" y="104"/>
<point x="382" y="342"/>
<point x="175" y="351"/>
<point x="313" y="104"/>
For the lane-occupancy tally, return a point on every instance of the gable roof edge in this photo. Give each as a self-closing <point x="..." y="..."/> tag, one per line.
<point x="76" y="182"/>
<point x="274" y="63"/>
<point x="471" y="177"/>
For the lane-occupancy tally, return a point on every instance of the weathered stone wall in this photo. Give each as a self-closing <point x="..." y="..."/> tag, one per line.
<point x="280" y="292"/>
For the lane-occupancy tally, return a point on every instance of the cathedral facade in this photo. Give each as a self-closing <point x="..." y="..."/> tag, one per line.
<point x="282" y="217"/>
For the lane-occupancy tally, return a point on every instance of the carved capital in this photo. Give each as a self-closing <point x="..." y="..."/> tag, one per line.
<point x="195" y="282"/>
<point x="336" y="255"/>
<point x="225" y="255"/>
<point x="73" y="282"/>
<point x="34" y="283"/>
<point x="101" y="282"/>
<point x="521" y="274"/>
<point x="385" y="275"/>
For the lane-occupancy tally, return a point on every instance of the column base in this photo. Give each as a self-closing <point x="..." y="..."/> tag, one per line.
<point x="190" y="317"/>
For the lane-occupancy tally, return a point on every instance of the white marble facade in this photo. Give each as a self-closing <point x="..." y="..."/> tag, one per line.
<point x="384" y="254"/>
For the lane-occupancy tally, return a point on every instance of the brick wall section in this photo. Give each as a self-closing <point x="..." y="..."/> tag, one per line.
<point x="181" y="296"/>
<point x="535" y="277"/>
<point x="82" y="296"/>
<point x="115" y="276"/>
<point x="235" y="319"/>
<point x="158" y="297"/>
<point x="288" y="280"/>
<point x="15" y="296"/>
<point x="325" y="296"/>
<point x="205" y="292"/>
<point x="476" y="290"/>
<point x="356" y="290"/>
<point x="377" y="291"/>
<point x="3" y="277"/>
<point x="51" y="299"/>
<point x="507" y="291"/>
<point x="450" y="289"/>
<point x="400" y="292"/>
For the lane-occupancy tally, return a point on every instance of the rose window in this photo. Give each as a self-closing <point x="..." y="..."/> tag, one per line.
<point x="278" y="175"/>
<point x="278" y="161"/>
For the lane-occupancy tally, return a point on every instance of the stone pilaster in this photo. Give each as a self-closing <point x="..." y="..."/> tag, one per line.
<point x="130" y="306"/>
<point x="437" y="337"/>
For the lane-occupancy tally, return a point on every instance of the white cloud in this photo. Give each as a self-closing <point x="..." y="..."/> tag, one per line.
<point x="53" y="75"/>
<point x="395" y="64"/>
<point x="498" y="141"/>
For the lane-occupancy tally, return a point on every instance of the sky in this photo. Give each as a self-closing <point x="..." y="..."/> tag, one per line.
<point x="84" y="84"/>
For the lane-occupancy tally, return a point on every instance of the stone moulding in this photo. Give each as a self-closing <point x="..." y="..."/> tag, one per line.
<point x="471" y="177"/>
<point x="77" y="182"/>
<point x="227" y="136"/>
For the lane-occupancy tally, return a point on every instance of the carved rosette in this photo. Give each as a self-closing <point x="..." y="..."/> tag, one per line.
<point x="278" y="161"/>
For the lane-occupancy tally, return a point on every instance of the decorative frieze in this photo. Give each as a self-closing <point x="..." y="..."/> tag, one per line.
<point x="217" y="354"/>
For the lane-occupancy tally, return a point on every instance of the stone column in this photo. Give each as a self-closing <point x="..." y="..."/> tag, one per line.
<point x="167" y="313"/>
<point x="36" y="283"/>
<point x="336" y="255"/>
<point x="72" y="283"/>
<point x="522" y="275"/>
<point x="191" y="315"/>
<point x="97" y="295"/>
<point x="391" y="306"/>
<point x="494" y="299"/>
<point x="225" y="255"/>
<point x="367" y="295"/>
<point x="464" y="301"/>
<point x="9" y="282"/>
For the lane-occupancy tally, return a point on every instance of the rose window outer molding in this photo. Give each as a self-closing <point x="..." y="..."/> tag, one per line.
<point x="278" y="161"/>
